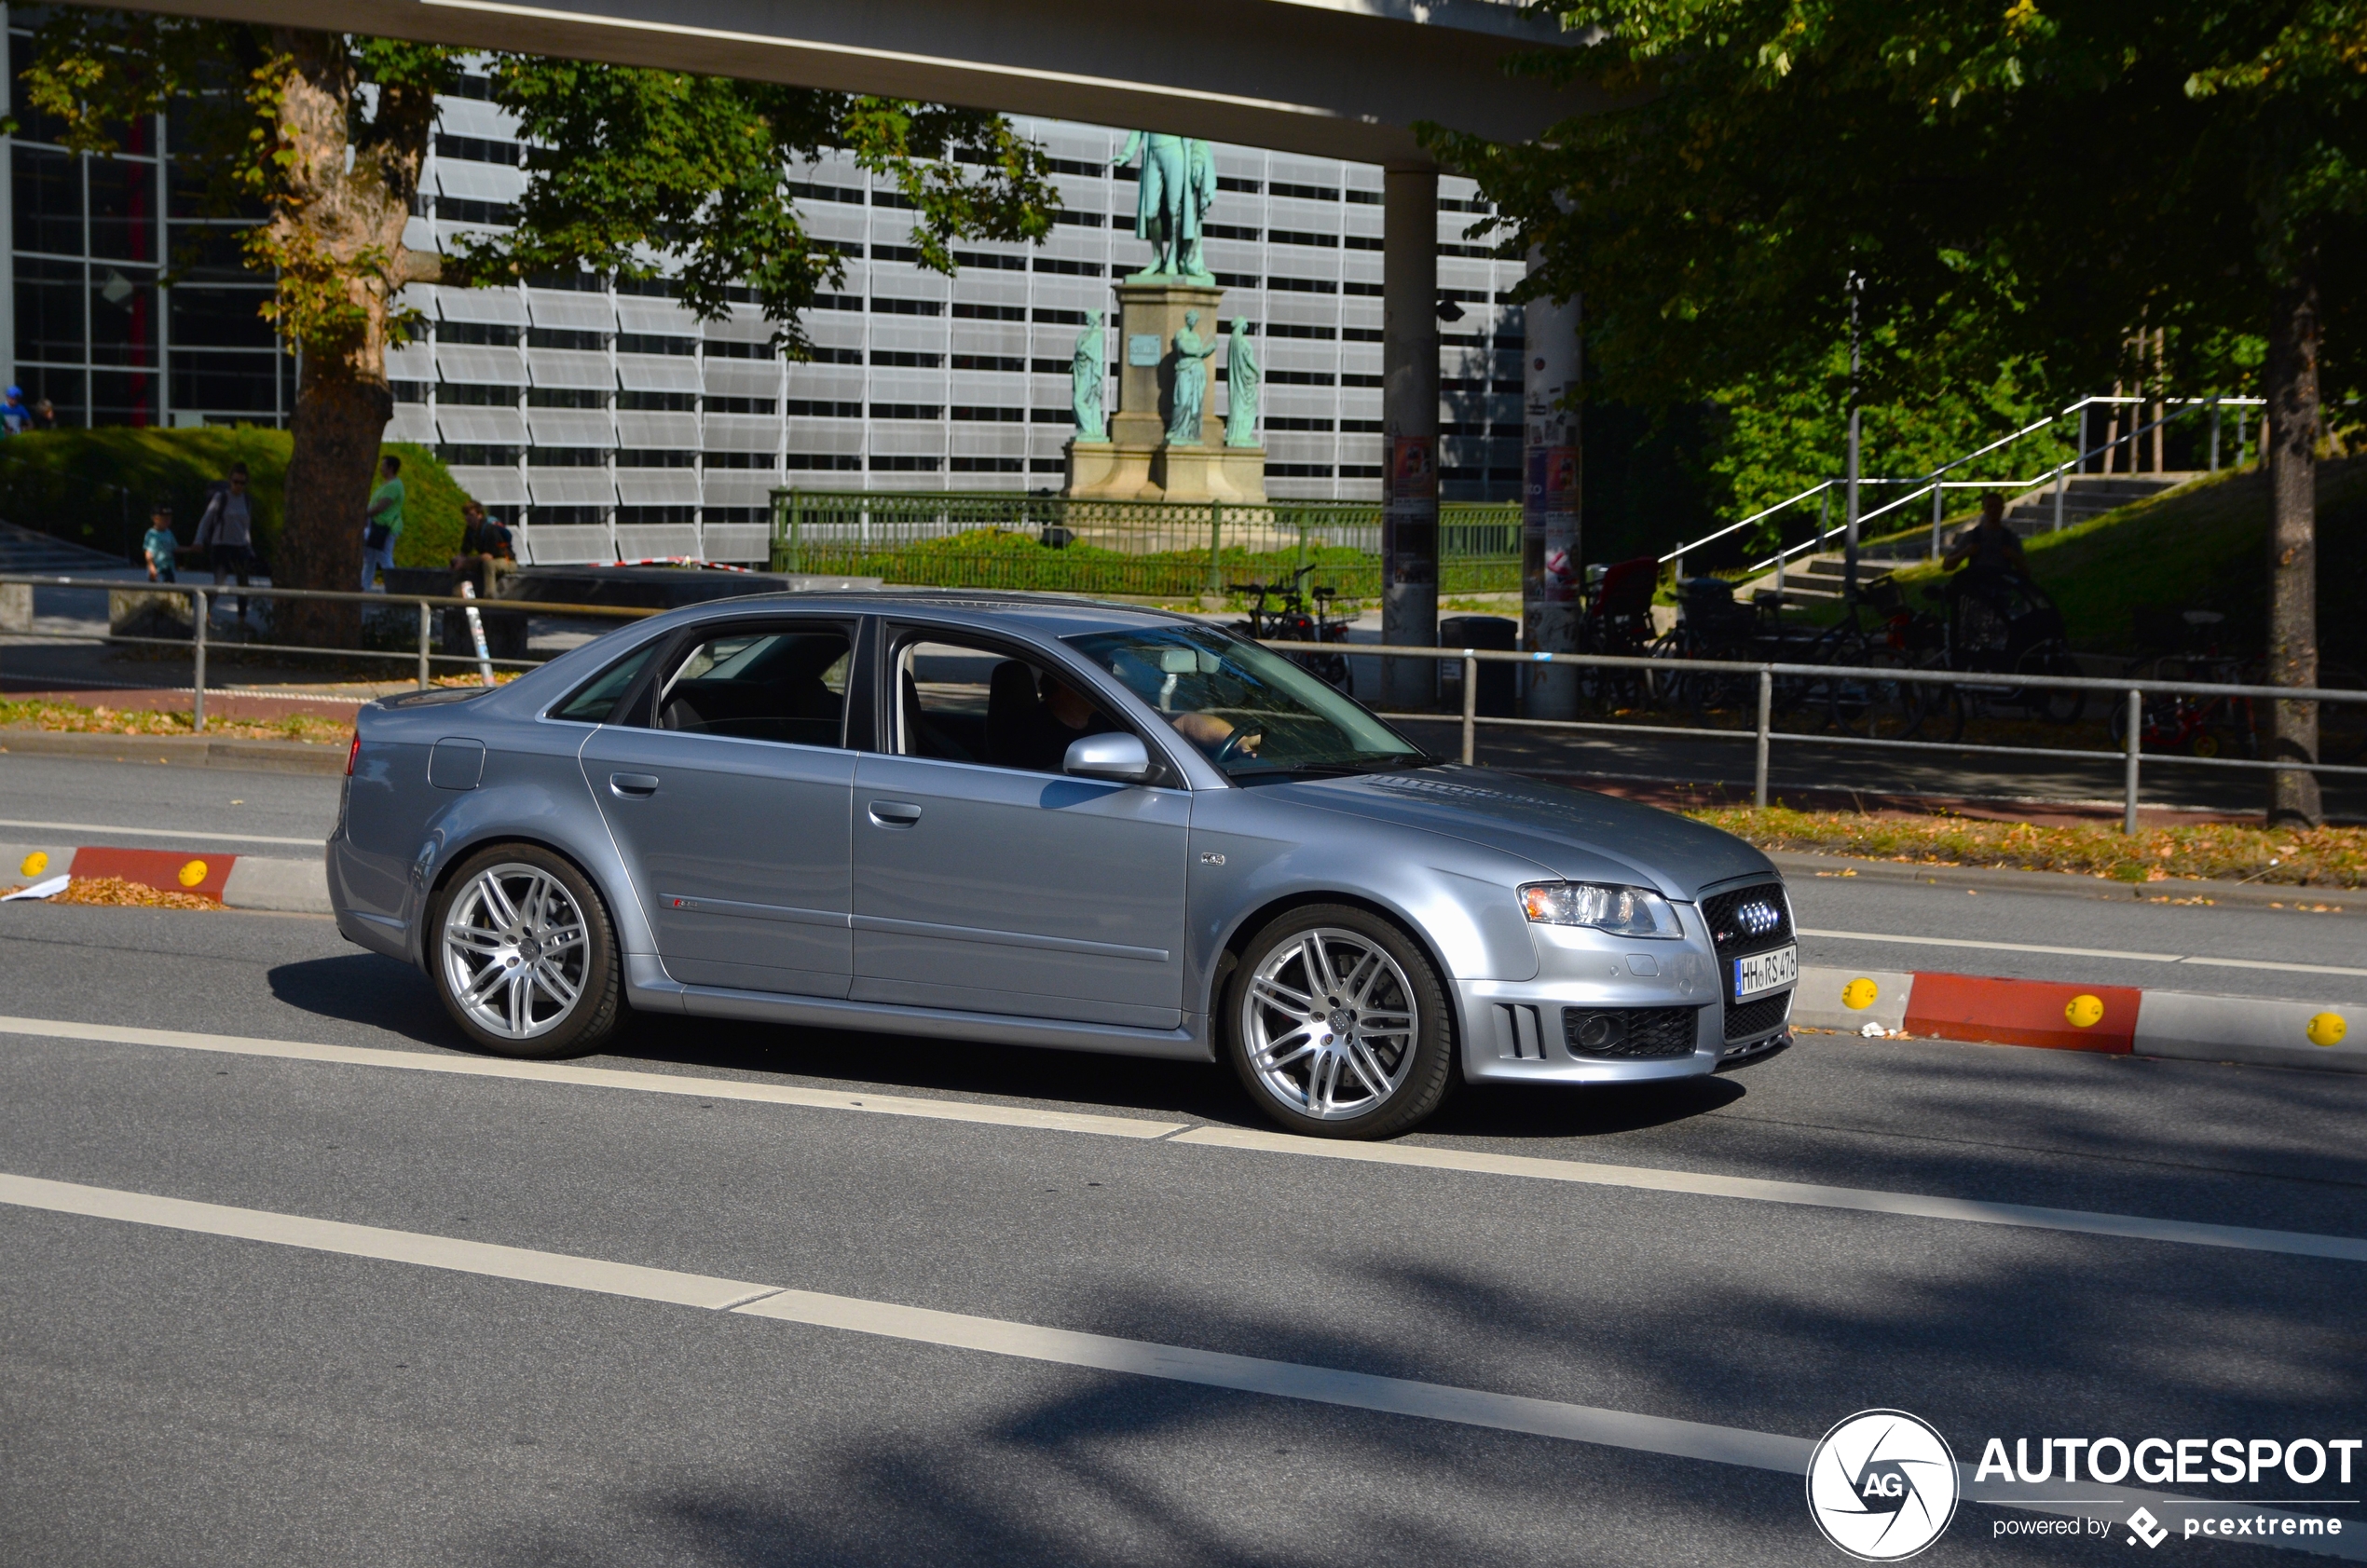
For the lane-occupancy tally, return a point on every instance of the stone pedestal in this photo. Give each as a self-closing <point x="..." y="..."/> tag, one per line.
<point x="1137" y="463"/>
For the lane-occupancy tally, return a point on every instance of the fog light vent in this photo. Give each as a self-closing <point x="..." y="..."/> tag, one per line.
<point x="1627" y="1033"/>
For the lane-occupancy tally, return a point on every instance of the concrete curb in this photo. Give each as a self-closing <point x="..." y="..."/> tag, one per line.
<point x="1797" y="865"/>
<point x="2115" y="1020"/>
<point x="236" y="882"/>
<point x="187" y="751"/>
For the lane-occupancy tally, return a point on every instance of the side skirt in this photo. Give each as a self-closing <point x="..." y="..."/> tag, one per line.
<point x="648" y="987"/>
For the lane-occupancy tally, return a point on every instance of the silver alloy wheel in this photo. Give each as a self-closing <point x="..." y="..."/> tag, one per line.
<point x="1329" y="1024"/>
<point x="517" y="955"/>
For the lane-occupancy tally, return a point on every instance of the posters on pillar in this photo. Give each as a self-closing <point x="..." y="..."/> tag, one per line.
<point x="1550" y="517"/>
<point x="1409" y="518"/>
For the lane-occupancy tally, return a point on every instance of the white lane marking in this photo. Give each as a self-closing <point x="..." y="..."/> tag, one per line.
<point x="2263" y="964"/>
<point x="1247" y="1374"/>
<point x="163" y="833"/>
<point x="1641" y="1178"/>
<point x="2079" y="952"/>
<point x="1997" y="947"/>
<point x="371" y="1241"/>
<point x="603" y="1078"/>
<point x="2300" y="1244"/>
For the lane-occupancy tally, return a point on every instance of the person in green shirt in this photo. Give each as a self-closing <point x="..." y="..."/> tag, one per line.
<point x="384" y="524"/>
<point x="158" y="544"/>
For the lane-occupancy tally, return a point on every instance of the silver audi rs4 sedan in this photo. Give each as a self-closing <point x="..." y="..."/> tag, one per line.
<point x="1040" y="822"/>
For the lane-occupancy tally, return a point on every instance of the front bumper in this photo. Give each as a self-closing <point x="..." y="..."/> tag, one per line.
<point x="1526" y="1030"/>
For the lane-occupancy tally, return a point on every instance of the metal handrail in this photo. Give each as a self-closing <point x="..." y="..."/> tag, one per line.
<point x="2178" y="405"/>
<point x="1763" y="735"/>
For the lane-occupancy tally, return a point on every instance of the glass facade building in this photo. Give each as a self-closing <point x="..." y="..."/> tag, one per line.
<point x="609" y="423"/>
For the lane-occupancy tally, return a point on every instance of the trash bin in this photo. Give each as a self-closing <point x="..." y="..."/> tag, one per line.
<point x="1496" y="687"/>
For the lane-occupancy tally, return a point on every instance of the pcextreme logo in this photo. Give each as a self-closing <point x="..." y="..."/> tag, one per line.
<point x="1883" y="1485"/>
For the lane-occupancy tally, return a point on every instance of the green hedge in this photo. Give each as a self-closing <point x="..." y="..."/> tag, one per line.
<point x="1004" y="558"/>
<point x="95" y="487"/>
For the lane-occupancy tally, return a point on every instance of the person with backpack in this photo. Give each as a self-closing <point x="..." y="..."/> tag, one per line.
<point x="383" y="522"/>
<point x="225" y="532"/>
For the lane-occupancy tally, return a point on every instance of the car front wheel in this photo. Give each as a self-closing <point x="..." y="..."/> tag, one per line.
<point x="523" y="955"/>
<point x="1338" y="1024"/>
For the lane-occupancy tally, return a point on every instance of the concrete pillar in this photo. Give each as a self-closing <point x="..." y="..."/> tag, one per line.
<point x="1409" y="421"/>
<point x="1552" y="467"/>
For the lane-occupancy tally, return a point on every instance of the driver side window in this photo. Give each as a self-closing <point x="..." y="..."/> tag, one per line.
<point x="966" y="702"/>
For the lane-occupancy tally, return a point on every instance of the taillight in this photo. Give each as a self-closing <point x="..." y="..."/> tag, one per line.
<point x="352" y="752"/>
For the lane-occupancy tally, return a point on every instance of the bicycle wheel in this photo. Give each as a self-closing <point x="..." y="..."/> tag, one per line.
<point x="1943" y="714"/>
<point x="2053" y="704"/>
<point x="1878" y="709"/>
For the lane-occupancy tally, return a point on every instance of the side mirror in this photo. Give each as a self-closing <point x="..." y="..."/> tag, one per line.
<point x="1120" y="757"/>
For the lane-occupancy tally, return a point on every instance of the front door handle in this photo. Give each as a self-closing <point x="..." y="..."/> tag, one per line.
<point x="633" y="787"/>
<point x="894" y="814"/>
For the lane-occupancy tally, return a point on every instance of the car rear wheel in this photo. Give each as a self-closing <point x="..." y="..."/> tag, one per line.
<point x="1338" y="1024"/>
<point x="523" y="954"/>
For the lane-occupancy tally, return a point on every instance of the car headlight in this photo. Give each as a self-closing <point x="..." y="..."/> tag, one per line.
<point x="1624" y="911"/>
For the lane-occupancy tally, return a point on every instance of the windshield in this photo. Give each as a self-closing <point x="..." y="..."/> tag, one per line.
<point x="1252" y="712"/>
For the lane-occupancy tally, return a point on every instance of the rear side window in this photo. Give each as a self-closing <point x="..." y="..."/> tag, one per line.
<point x="592" y="703"/>
<point x="781" y="683"/>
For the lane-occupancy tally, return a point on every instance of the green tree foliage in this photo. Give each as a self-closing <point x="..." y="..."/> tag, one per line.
<point x="642" y="172"/>
<point x="2016" y="183"/>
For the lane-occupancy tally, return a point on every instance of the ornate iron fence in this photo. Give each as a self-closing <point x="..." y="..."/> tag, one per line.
<point x="1159" y="548"/>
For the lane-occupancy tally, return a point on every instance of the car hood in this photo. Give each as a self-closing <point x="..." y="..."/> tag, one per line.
<point x="1574" y="833"/>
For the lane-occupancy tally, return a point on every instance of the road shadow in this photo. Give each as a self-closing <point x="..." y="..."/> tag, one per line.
<point x="363" y="987"/>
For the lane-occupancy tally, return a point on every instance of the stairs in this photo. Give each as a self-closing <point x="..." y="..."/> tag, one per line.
<point x="2085" y="497"/>
<point x="21" y="549"/>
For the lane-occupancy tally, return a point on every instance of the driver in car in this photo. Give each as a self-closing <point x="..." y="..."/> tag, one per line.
<point x="1209" y="733"/>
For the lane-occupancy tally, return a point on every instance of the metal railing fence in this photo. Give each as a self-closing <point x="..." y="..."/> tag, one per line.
<point x="1763" y="734"/>
<point x="200" y="642"/>
<point x="1001" y="539"/>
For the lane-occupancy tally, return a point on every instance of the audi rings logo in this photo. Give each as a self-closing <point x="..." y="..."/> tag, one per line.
<point x="1882" y="1485"/>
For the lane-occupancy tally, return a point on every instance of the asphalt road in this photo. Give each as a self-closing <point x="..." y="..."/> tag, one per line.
<point x="170" y="1392"/>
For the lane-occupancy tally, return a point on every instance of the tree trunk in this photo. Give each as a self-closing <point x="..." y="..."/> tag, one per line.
<point x="335" y="239"/>
<point x="2292" y="440"/>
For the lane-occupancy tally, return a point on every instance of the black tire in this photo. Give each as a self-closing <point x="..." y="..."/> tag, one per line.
<point x="470" y="943"/>
<point x="2054" y="704"/>
<point x="1416" y="1070"/>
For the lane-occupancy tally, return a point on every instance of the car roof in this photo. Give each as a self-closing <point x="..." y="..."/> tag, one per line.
<point x="1046" y="614"/>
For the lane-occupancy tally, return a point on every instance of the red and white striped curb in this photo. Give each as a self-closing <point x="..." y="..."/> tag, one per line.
<point x="2117" y="1020"/>
<point x="235" y="881"/>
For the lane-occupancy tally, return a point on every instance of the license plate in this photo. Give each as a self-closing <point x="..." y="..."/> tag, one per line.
<point x="1765" y="972"/>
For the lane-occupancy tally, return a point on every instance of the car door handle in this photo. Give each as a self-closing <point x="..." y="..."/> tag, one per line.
<point x="894" y="814"/>
<point x="633" y="787"/>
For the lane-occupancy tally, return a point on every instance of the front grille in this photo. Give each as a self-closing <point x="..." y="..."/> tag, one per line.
<point x="1746" y="1018"/>
<point x="1748" y="919"/>
<point x="1629" y="1033"/>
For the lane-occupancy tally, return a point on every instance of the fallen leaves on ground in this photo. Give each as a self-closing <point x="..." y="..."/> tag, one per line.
<point x="75" y="719"/>
<point x="120" y="893"/>
<point x="2324" y="857"/>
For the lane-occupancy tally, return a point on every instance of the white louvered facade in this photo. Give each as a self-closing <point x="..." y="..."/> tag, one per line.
<point x="616" y="425"/>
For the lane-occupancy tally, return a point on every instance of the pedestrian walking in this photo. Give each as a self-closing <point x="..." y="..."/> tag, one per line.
<point x="158" y="544"/>
<point x="225" y="532"/>
<point x="45" y="415"/>
<point x="383" y="524"/>
<point x="15" y="418"/>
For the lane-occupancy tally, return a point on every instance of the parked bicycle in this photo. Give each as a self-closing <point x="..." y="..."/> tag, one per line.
<point x="1287" y="621"/>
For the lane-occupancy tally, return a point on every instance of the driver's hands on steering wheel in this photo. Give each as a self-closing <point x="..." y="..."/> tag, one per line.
<point x="1219" y="738"/>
